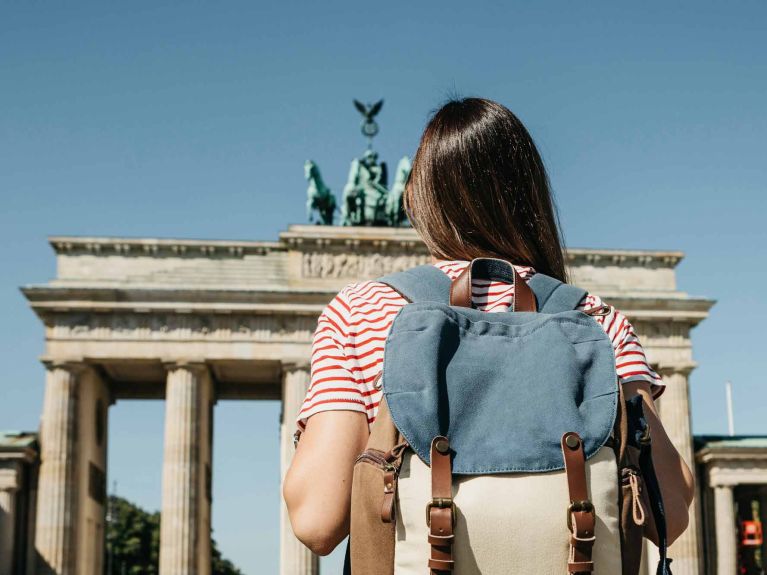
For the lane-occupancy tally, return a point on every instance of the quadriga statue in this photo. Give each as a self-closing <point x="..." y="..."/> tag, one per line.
<point x="318" y="196"/>
<point x="395" y="212"/>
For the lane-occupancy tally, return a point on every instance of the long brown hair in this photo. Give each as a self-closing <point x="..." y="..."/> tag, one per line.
<point x="478" y="188"/>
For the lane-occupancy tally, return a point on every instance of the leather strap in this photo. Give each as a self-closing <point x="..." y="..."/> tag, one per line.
<point x="390" y="490"/>
<point x="393" y="457"/>
<point x="421" y="283"/>
<point x="440" y="511"/>
<point x="492" y="269"/>
<point x="581" y="517"/>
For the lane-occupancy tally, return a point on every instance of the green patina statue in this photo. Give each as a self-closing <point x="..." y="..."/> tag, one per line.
<point x="365" y="193"/>
<point x="395" y="211"/>
<point x="369" y="112"/>
<point x="319" y="196"/>
<point x="366" y="200"/>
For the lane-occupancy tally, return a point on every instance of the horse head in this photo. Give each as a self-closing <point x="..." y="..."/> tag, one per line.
<point x="310" y="170"/>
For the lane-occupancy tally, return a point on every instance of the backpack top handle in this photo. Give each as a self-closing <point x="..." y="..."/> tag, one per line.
<point x="494" y="270"/>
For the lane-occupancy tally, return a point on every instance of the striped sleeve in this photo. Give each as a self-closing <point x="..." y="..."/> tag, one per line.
<point x="631" y="361"/>
<point x="332" y="385"/>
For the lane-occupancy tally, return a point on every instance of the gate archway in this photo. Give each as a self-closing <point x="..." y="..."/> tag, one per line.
<point x="197" y="321"/>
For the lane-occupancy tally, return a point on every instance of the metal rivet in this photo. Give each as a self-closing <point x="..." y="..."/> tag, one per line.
<point x="442" y="445"/>
<point x="572" y="441"/>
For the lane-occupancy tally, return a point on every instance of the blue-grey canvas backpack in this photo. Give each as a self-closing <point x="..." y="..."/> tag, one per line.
<point x="502" y="443"/>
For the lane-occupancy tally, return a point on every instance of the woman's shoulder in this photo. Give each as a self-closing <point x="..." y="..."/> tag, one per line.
<point x="363" y="291"/>
<point x="362" y="300"/>
<point x="609" y="317"/>
<point x="591" y="302"/>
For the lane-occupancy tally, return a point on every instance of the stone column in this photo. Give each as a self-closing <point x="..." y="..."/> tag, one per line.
<point x="295" y="558"/>
<point x="185" y="505"/>
<point x="726" y="550"/>
<point x="674" y="408"/>
<point x="9" y="484"/>
<point x="57" y="513"/>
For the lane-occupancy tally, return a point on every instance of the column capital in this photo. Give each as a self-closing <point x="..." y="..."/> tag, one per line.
<point x="676" y="368"/>
<point x="73" y="366"/>
<point x="296" y="365"/>
<point x="195" y="365"/>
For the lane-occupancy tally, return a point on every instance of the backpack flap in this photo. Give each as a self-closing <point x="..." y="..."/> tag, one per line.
<point x="503" y="388"/>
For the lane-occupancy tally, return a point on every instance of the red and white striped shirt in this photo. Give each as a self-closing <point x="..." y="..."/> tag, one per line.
<point x="348" y="347"/>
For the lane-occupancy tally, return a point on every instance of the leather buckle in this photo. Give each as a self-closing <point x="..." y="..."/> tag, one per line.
<point x="600" y="311"/>
<point x="584" y="506"/>
<point x="441" y="503"/>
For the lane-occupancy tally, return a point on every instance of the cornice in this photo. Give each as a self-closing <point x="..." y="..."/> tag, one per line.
<point x="156" y="247"/>
<point x="47" y="299"/>
<point x="623" y="258"/>
<point x="730" y="454"/>
<point x="306" y="238"/>
<point x="310" y="238"/>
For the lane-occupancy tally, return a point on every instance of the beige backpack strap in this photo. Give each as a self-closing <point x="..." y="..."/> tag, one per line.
<point x="440" y="511"/>
<point x="372" y="538"/>
<point x="581" y="518"/>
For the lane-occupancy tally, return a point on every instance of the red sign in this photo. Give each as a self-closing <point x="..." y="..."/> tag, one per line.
<point x="751" y="534"/>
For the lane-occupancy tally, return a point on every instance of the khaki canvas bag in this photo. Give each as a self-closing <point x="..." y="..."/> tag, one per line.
<point x="502" y="445"/>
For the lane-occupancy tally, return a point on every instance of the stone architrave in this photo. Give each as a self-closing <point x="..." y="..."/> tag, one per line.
<point x="185" y="518"/>
<point x="57" y="495"/>
<point x="295" y="558"/>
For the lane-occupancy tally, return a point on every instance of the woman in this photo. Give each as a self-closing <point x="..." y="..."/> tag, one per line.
<point x="478" y="188"/>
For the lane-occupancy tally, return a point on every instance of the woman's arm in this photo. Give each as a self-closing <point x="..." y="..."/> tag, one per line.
<point x="318" y="485"/>
<point x="677" y="484"/>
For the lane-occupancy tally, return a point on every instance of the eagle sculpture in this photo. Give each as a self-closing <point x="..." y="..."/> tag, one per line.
<point x="368" y="111"/>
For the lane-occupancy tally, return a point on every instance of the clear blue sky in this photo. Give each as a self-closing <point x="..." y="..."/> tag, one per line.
<point x="179" y="120"/>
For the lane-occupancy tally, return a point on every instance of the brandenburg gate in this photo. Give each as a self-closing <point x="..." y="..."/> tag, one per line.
<point x="197" y="322"/>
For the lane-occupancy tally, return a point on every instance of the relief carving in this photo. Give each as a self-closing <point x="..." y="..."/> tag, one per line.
<point x="175" y="327"/>
<point x="349" y="265"/>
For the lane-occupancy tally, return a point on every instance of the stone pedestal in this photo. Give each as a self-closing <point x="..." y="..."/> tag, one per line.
<point x="9" y="484"/>
<point x="674" y="410"/>
<point x="726" y="529"/>
<point x="295" y="558"/>
<point x="55" y="538"/>
<point x="185" y="520"/>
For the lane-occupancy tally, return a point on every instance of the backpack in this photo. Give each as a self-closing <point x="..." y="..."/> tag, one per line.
<point x="503" y="444"/>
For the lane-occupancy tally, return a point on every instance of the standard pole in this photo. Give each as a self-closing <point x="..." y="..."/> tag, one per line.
<point x="730" y="417"/>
